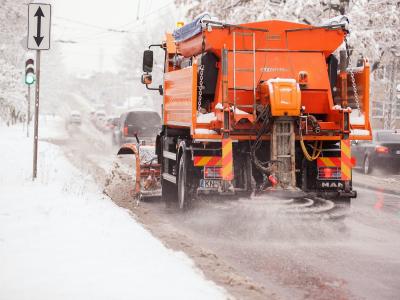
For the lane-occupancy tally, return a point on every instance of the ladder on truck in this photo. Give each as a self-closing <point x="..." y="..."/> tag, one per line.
<point x="252" y="70"/>
<point x="283" y="152"/>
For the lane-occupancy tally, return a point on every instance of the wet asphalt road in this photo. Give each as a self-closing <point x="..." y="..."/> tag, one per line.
<point x="303" y="255"/>
<point x="288" y="254"/>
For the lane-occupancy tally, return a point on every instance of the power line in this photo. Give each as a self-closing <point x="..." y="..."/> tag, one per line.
<point x="103" y="29"/>
<point x="132" y="23"/>
<point x="120" y="29"/>
<point x="82" y="23"/>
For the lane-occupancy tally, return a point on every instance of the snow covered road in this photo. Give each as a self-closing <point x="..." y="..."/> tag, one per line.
<point x="255" y="250"/>
<point x="61" y="238"/>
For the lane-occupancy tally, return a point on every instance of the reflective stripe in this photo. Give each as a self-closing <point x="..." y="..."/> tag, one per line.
<point x="346" y="159"/>
<point x="209" y="161"/>
<point x="227" y="159"/>
<point x="328" y="162"/>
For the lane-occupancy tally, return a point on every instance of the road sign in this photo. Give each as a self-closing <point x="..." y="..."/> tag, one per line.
<point x="39" y="20"/>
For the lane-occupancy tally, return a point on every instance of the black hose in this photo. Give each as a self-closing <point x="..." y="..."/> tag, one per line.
<point x="265" y="116"/>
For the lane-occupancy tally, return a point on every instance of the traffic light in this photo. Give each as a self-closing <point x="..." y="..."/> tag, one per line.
<point x="29" y="71"/>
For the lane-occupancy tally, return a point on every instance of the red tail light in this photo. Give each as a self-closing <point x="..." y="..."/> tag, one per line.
<point x="381" y="149"/>
<point x="331" y="173"/>
<point x="126" y="131"/>
<point x="353" y="161"/>
<point x="328" y="172"/>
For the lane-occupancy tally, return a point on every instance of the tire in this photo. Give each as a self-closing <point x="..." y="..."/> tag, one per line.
<point x="184" y="186"/>
<point x="367" y="166"/>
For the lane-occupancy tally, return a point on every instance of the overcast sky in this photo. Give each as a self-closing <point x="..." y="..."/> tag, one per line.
<point x="88" y="23"/>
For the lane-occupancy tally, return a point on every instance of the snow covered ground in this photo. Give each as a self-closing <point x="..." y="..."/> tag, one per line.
<point x="60" y="238"/>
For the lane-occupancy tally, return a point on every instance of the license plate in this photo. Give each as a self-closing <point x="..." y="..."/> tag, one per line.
<point x="398" y="152"/>
<point x="210" y="184"/>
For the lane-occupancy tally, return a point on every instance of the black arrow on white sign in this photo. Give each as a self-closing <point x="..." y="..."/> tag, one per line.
<point x="39" y="14"/>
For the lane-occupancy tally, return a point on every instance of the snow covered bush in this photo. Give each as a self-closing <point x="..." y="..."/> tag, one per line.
<point x="12" y="57"/>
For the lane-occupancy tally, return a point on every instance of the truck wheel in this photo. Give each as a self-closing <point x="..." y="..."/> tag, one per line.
<point x="184" y="187"/>
<point x="367" y="167"/>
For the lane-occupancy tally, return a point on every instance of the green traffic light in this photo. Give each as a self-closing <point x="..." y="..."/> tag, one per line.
<point x="29" y="79"/>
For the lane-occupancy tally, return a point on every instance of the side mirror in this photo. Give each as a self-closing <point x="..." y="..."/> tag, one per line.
<point x="147" y="79"/>
<point x="147" y="61"/>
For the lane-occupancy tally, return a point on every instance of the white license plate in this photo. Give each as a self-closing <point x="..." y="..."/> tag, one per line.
<point x="398" y="152"/>
<point x="210" y="184"/>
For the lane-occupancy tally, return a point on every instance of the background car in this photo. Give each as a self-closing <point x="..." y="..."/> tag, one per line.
<point x="111" y="122"/>
<point x="75" y="118"/>
<point x="100" y="119"/>
<point x="144" y="123"/>
<point x="382" y="152"/>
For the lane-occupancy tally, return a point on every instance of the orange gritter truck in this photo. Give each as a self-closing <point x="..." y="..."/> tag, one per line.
<point x="263" y="106"/>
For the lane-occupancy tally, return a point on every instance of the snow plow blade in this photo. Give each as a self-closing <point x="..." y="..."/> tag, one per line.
<point x="147" y="170"/>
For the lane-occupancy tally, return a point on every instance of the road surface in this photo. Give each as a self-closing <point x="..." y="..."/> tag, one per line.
<point x="266" y="248"/>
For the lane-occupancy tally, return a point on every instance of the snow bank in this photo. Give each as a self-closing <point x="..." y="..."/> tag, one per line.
<point x="60" y="238"/>
<point x="51" y="127"/>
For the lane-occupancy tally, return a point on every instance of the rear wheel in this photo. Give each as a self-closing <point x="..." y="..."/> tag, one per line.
<point x="184" y="183"/>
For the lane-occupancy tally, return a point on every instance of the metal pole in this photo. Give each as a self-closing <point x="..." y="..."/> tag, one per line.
<point x="394" y="113"/>
<point x="390" y="116"/>
<point x="29" y="111"/>
<point x="36" y="132"/>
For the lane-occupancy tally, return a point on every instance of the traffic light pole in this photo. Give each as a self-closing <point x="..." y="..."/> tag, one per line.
<point x="36" y="130"/>
<point x="28" y="118"/>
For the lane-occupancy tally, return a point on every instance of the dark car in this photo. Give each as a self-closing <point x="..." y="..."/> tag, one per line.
<point x="111" y="123"/>
<point x="382" y="152"/>
<point x="143" y="123"/>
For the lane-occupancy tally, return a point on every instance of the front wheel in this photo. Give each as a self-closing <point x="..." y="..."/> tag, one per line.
<point x="184" y="183"/>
